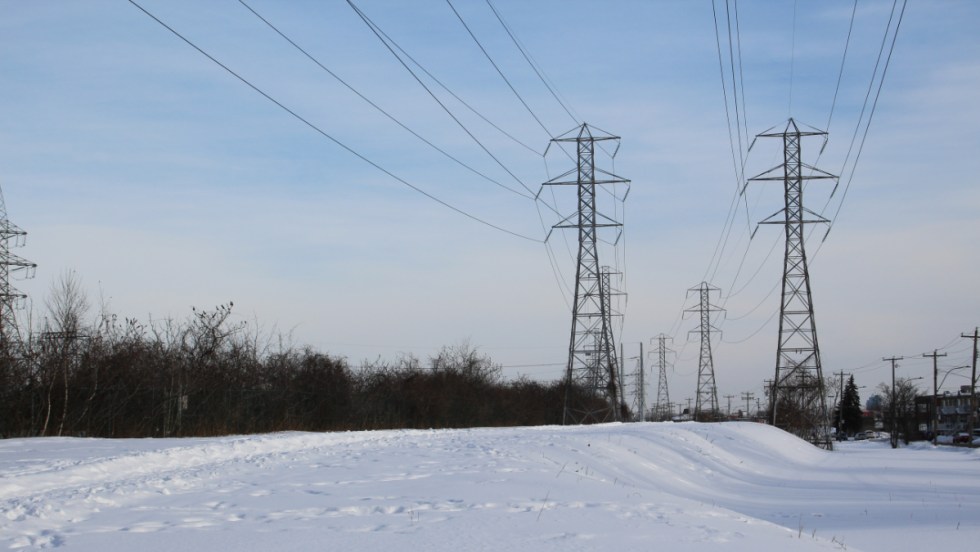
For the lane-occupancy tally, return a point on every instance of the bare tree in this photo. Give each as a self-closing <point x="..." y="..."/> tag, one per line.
<point x="67" y="306"/>
<point x="901" y="417"/>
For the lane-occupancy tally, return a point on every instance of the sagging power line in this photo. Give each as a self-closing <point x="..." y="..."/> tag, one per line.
<point x="328" y="136"/>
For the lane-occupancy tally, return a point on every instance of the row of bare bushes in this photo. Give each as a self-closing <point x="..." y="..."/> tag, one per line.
<point x="210" y="375"/>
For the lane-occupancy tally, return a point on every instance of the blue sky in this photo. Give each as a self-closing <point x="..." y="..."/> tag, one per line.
<point x="166" y="183"/>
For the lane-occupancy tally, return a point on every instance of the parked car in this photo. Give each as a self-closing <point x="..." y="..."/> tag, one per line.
<point x="860" y="436"/>
<point x="962" y="437"/>
<point x="869" y="434"/>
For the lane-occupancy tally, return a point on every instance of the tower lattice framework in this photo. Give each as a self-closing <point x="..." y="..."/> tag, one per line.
<point x="662" y="407"/>
<point x="706" y="402"/>
<point x="797" y="398"/>
<point x="11" y="265"/>
<point x="609" y="291"/>
<point x="592" y="376"/>
<point x="639" y="382"/>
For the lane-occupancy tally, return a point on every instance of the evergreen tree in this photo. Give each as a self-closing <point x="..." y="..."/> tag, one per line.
<point x="851" y="407"/>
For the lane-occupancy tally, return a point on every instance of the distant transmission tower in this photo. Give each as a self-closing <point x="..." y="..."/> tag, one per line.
<point x="798" y="401"/>
<point x="706" y="403"/>
<point x="662" y="407"/>
<point x="592" y="391"/>
<point x="606" y="273"/>
<point x="11" y="265"/>
<point x="640" y="396"/>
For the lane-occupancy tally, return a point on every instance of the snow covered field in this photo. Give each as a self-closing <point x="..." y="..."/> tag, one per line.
<point x="686" y="486"/>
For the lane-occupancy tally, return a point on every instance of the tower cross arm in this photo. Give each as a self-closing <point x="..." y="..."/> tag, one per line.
<point x="773" y="174"/>
<point x="14" y="261"/>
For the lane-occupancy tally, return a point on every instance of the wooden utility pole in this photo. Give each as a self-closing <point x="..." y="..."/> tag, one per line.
<point x="729" y="397"/>
<point x="894" y="429"/>
<point x="935" y="392"/>
<point x="769" y="395"/>
<point x="748" y="398"/>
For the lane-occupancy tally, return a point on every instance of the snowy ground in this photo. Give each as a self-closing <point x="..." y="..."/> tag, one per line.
<point x="678" y="487"/>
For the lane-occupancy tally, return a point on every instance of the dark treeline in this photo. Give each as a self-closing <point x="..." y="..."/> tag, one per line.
<point x="211" y="376"/>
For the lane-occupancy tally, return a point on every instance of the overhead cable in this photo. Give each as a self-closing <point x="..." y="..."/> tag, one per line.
<point x="537" y="71"/>
<point x="328" y="136"/>
<point x="499" y="72"/>
<point x="379" y="108"/>
<point x="367" y="21"/>
<point x="874" y="106"/>
<point x="442" y="85"/>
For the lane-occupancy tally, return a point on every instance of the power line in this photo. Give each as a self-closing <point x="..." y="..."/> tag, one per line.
<point x="840" y="75"/>
<point x="833" y="105"/>
<point x="756" y="332"/>
<point x="718" y="256"/>
<point x="731" y="60"/>
<point x="737" y="160"/>
<point x="722" y="242"/>
<point x="741" y="82"/>
<point x="732" y="252"/>
<point x="389" y="43"/>
<point x="755" y="274"/>
<point x="724" y="91"/>
<point x="867" y="95"/>
<point x="757" y="305"/>
<point x="499" y="72"/>
<point x="792" y="62"/>
<point x="553" y="262"/>
<point x="857" y="127"/>
<point x="449" y="90"/>
<point x="379" y="108"/>
<point x="328" y="136"/>
<point x="506" y="80"/>
<point x="564" y="235"/>
<point x="874" y="106"/>
<point x="527" y="57"/>
<point x="370" y="24"/>
<point x="543" y="365"/>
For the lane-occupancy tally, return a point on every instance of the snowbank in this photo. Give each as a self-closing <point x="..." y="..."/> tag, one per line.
<point x="680" y="486"/>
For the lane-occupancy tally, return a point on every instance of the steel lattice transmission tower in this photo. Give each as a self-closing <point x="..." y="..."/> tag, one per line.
<point x="592" y="376"/>
<point x="798" y="401"/>
<point x="639" y="381"/>
<point x="706" y="403"/>
<point x="662" y="407"/>
<point x="11" y="265"/>
<point x="609" y="291"/>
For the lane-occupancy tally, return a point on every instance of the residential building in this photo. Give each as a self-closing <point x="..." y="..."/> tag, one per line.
<point x="954" y="413"/>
